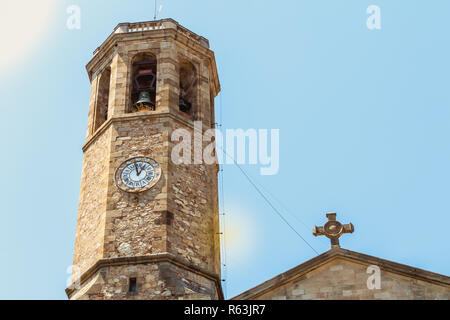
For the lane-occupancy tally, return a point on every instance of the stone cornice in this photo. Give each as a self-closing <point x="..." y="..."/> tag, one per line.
<point x="162" y="24"/>
<point x="353" y="256"/>
<point x="135" y="116"/>
<point x="170" y="29"/>
<point x="156" y="258"/>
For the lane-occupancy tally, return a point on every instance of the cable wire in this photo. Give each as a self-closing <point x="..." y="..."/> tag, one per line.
<point x="268" y="201"/>
<point x="222" y="215"/>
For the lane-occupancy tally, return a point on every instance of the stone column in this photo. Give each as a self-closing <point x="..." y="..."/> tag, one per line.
<point x="204" y="95"/>
<point x="119" y="84"/>
<point x="92" y="106"/>
<point x="167" y="89"/>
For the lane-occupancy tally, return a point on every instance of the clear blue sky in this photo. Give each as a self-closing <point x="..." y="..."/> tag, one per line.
<point x="364" y="119"/>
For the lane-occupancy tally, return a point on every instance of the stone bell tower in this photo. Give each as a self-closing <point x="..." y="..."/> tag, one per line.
<point x="147" y="228"/>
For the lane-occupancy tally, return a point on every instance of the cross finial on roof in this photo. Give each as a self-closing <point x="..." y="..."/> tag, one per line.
<point x="333" y="230"/>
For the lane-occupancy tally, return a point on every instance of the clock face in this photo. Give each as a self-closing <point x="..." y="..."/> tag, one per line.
<point x="137" y="174"/>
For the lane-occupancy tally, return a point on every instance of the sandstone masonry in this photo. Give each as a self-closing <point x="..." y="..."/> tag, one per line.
<point x="166" y="238"/>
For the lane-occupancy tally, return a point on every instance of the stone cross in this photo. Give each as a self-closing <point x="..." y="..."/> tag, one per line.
<point x="333" y="230"/>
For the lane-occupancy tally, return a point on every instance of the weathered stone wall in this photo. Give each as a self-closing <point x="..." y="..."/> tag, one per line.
<point x="179" y="215"/>
<point x="134" y="224"/>
<point x="155" y="281"/>
<point x="92" y="204"/>
<point x="193" y="200"/>
<point x="344" y="279"/>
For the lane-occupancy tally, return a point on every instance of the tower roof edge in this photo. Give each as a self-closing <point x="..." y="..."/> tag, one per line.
<point x="165" y="27"/>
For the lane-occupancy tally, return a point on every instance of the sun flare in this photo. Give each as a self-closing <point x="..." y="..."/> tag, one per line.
<point x="238" y="236"/>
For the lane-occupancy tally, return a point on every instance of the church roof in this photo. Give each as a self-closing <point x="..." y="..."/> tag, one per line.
<point x="336" y="253"/>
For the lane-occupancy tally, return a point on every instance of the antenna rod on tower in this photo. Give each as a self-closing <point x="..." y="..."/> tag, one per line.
<point x="154" y="18"/>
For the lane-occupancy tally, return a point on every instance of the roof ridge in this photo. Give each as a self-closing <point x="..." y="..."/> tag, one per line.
<point x="320" y="260"/>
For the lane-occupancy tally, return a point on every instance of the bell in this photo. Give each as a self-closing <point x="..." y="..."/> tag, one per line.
<point x="144" y="102"/>
<point x="184" y="105"/>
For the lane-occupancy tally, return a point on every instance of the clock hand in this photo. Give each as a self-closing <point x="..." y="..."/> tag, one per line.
<point x="137" y="170"/>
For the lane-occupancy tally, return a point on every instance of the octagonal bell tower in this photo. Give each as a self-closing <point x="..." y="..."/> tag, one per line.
<point x="157" y="237"/>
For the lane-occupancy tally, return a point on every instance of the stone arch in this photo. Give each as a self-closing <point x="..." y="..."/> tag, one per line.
<point x="188" y="101"/>
<point x="143" y="80"/>
<point x="102" y="105"/>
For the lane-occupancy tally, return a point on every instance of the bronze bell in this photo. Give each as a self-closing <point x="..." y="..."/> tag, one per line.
<point x="144" y="102"/>
<point x="184" y="105"/>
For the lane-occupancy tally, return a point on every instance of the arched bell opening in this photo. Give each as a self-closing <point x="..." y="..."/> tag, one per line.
<point x="188" y="88"/>
<point x="101" y="111"/>
<point x="143" y="83"/>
